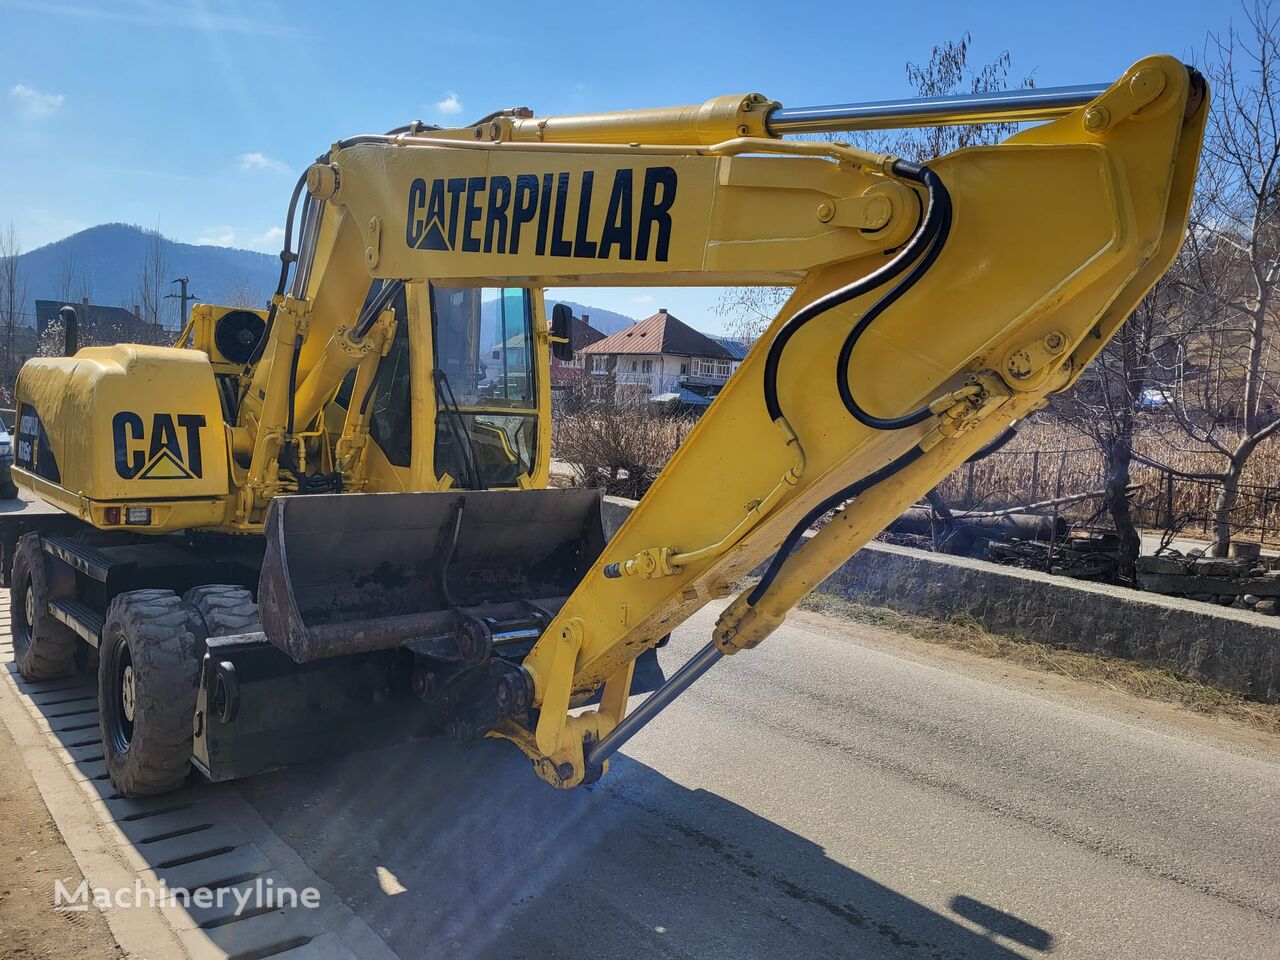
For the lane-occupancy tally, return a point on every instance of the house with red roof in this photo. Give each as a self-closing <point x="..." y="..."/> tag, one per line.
<point x="660" y="357"/>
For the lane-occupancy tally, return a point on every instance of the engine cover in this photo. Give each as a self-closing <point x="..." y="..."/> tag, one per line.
<point x="124" y="423"/>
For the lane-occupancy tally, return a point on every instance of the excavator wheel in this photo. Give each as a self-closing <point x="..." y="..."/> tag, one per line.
<point x="226" y="609"/>
<point x="149" y="667"/>
<point x="43" y="647"/>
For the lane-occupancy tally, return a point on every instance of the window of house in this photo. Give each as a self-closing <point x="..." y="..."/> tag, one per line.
<point x="684" y="368"/>
<point x="600" y="364"/>
<point x="633" y="366"/>
<point x="646" y="366"/>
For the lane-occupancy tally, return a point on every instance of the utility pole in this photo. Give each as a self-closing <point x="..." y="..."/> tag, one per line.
<point x="184" y="296"/>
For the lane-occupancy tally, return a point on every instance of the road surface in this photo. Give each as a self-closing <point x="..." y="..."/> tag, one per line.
<point x="839" y="792"/>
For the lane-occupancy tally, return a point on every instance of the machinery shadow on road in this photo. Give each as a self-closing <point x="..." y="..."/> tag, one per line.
<point x="462" y="851"/>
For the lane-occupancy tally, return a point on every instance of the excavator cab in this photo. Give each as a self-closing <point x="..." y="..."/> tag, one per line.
<point x="487" y="412"/>
<point x="464" y="360"/>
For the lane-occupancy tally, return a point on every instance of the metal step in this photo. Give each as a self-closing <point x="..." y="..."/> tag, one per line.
<point x="78" y="554"/>
<point x="80" y="617"/>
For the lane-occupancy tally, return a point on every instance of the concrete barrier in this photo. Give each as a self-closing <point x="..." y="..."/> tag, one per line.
<point x="1233" y="649"/>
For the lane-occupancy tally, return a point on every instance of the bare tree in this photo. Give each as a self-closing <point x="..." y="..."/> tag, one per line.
<point x="750" y="310"/>
<point x="73" y="285"/>
<point x="153" y="284"/>
<point x="244" y="296"/>
<point x="1140" y="366"/>
<point x="1232" y="258"/>
<point x="13" y="297"/>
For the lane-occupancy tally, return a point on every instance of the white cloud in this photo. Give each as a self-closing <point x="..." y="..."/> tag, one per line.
<point x="449" y="105"/>
<point x="34" y="102"/>
<point x="221" y="236"/>
<point x="270" y="238"/>
<point x="260" y="161"/>
<point x="642" y="299"/>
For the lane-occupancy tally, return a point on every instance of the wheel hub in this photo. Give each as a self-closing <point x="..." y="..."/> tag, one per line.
<point x="126" y="693"/>
<point x="29" y="604"/>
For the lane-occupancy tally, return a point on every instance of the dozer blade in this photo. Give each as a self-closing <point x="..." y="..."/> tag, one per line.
<point x="349" y="573"/>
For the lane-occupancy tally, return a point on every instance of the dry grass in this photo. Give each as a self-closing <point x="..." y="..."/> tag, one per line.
<point x="1049" y="458"/>
<point x="963" y="633"/>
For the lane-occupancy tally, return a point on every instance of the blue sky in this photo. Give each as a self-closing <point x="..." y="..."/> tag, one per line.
<point x="196" y="117"/>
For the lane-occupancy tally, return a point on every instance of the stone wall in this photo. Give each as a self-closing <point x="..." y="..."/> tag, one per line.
<point x="1237" y="650"/>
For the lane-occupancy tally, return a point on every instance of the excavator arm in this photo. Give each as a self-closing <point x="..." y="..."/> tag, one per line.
<point x="934" y="305"/>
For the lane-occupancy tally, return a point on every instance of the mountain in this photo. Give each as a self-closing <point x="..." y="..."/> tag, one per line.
<point x="103" y="263"/>
<point x="606" y="321"/>
<point x="603" y="320"/>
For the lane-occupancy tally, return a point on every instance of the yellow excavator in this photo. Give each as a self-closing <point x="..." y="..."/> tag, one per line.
<point x="328" y="523"/>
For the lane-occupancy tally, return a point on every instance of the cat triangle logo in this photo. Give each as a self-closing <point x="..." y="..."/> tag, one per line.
<point x="165" y="466"/>
<point x="433" y="238"/>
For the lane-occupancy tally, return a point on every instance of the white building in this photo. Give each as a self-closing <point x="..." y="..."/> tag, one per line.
<point x="657" y="356"/>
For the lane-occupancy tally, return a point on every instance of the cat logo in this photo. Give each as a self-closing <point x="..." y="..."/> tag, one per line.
<point x="170" y="452"/>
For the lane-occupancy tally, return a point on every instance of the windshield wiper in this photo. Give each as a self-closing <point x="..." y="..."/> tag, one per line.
<point x="453" y="414"/>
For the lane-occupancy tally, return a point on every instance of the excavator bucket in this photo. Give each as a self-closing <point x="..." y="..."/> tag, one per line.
<point x="351" y="573"/>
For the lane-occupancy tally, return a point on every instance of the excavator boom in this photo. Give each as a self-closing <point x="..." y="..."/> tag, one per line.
<point x="933" y="307"/>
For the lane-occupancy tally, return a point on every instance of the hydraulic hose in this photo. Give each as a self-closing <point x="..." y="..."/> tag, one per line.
<point x="369" y="316"/>
<point x="995" y="445"/>
<point x="287" y="257"/>
<point x="922" y="249"/>
<point x="293" y="383"/>
<point x="939" y="203"/>
<point x="853" y="490"/>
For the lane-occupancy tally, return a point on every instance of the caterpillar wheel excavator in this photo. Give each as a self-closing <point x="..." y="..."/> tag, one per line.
<point x="329" y="523"/>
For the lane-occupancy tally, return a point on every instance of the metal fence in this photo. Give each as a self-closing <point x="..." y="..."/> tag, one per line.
<point x="1163" y="501"/>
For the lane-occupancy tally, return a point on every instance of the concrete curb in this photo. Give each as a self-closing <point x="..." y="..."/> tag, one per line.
<point x="1236" y="650"/>
<point x="204" y="835"/>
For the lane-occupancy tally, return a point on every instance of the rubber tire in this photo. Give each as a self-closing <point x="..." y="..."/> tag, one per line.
<point x="9" y="491"/>
<point x="163" y="637"/>
<point x="43" y="649"/>
<point x="226" y="609"/>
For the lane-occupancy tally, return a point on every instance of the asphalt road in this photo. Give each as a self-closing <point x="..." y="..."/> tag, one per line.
<point x="838" y="792"/>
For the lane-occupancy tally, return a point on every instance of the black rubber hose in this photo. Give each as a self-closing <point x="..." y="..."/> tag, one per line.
<point x="918" y="244"/>
<point x="995" y="445"/>
<point x="925" y="244"/>
<point x="854" y="489"/>
<point x="287" y="257"/>
<point x="369" y="316"/>
<point x="293" y="382"/>
<point x="416" y="126"/>
<point x="939" y="200"/>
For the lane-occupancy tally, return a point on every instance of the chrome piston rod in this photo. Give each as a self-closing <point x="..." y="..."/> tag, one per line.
<point x="1001" y="106"/>
<point x="676" y="684"/>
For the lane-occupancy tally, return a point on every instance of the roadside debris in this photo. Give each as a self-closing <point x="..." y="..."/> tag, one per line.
<point x="1245" y="581"/>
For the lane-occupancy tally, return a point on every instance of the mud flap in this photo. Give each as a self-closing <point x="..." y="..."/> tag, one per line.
<point x="353" y="573"/>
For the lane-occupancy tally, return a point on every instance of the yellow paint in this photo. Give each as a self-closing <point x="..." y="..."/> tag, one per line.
<point x="1057" y="234"/>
